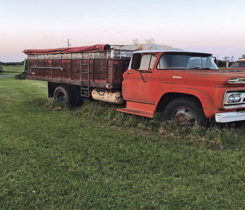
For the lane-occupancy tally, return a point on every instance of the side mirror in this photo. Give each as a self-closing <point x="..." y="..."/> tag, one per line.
<point x="215" y="59"/>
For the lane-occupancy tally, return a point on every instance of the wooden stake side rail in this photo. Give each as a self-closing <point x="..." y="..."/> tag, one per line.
<point x="100" y="73"/>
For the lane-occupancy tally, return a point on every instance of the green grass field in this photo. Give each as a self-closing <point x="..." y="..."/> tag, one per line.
<point x="12" y="70"/>
<point x="92" y="157"/>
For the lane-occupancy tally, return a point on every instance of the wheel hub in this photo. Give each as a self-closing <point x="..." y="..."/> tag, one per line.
<point x="61" y="97"/>
<point x="185" y="116"/>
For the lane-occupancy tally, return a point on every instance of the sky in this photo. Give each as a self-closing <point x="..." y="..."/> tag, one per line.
<point x="197" y="25"/>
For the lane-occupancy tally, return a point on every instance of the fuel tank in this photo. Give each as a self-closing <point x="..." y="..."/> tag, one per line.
<point x="107" y="96"/>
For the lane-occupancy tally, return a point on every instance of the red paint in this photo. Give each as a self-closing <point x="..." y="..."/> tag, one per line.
<point x="142" y="90"/>
<point x="209" y="86"/>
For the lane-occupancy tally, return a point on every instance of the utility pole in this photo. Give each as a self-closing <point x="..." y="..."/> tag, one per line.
<point x="68" y="43"/>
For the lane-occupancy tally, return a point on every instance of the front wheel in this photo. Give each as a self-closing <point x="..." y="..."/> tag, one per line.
<point x="185" y="111"/>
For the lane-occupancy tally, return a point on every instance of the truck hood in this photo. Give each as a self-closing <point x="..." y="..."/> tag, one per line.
<point x="215" y="78"/>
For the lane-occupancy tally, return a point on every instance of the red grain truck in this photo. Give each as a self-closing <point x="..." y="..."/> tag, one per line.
<point x="186" y="87"/>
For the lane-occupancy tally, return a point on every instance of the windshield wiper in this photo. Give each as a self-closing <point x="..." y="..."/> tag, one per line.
<point x="194" y="68"/>
<point x="208" y="69"/>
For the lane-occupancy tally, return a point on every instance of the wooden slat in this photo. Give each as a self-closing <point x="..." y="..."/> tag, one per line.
<point x="103" y="71"/>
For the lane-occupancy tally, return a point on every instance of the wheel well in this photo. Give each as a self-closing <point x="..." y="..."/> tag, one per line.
<point x="52" y="86"/>
<point x="165" y="99"/>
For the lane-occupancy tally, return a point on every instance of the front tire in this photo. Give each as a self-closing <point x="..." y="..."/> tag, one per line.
<point x="185" y="111"/>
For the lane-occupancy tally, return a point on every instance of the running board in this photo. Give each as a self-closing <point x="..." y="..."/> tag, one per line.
<point x="136" y="112"/>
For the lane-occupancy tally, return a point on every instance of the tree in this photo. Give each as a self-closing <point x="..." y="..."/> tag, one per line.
<point x="149" y="41"/>
<point x="243" y="56"/>
<point x="135" y="41"/>
<point x="228" y="59"/>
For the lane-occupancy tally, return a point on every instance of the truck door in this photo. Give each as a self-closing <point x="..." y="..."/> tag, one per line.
<point x="141" y="81"/>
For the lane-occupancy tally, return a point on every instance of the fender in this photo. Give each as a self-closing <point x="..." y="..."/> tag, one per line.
<point x="206" y="101"/>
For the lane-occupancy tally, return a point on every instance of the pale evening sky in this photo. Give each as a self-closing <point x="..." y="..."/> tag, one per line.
<point x="197" y="25"/>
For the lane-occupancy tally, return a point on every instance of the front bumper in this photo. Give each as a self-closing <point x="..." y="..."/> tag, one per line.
<point x="229" y="117"/>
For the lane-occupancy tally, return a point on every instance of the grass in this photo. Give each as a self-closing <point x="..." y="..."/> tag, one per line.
<point x="92" y="157"/>
<point x="12" y="69"/>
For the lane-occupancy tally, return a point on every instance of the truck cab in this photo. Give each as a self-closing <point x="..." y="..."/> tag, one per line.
<point x="186" y="87"/>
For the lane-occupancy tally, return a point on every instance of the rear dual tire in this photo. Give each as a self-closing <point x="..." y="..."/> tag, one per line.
<point x="68" y="95"/>
<point x="61" y="94"/>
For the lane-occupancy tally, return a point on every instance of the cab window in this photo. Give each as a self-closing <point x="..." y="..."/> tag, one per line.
<point x="143" y="61"/>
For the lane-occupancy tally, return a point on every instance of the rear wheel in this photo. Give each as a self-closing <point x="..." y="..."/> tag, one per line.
<point x="185" y="111"/>
<point x="61" y="94"/>
<point x="68" y="95"/>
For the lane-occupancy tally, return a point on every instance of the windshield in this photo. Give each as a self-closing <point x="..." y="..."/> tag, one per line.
<point x="186" y="61"/>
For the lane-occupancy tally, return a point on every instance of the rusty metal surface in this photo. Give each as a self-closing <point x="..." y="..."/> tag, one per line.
<point x="69" y="66"/>
<point x="104" y="73"/>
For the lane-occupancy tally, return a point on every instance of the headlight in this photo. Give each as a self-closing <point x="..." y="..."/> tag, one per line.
<point x="237" y="97"/>
<point x="233" y="98"/>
